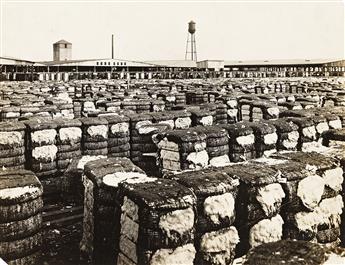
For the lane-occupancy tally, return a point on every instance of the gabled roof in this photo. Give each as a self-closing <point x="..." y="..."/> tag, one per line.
<point x="62" y="42"/>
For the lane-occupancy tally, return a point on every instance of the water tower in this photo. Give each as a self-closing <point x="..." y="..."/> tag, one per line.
<point x="191" y="43"/>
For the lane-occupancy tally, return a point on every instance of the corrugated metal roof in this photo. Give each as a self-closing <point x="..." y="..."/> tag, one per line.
<point x="65" y="62"/>
<point x="174" y="63"/>
<point x="280" y="62"/>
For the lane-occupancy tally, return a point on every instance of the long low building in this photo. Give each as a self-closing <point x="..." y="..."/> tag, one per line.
<point x="20" y="69"/>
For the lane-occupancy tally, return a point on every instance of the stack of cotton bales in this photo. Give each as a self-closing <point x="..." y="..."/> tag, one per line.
<point x="333" y="120"/>
<point x="319" y="199"/>
<point x="295" y="175"/>
<point x="77" y="108"/>
<point x="137" y="137"/>
<point x="216" y="237"/>
<point x="88" y="106"/>
<point x="182" y="119"/>
<point x="340" y="112"/>
<point x="66" y="110"/>
<point x="263" y="110"/>
<point x="232" y="110"/>
<point x="199" y="98"/>
<point x="68" y="142"/>
<point x="20" y="219"/>
<point x="170" y="101"/>
<point x="143" y="106"/>
<point x="118" y="136"/>
<point x="164" y="117"/>
<point x="334" y="137"/>
<point x="265" y="138"/>
<point x="28" y="111"/>
<point x="146" y="148"/>
<point x="258" y="205"/>
<point x="157" y="223"/>
<point x="101" y="212"/>
<point x="111" y="106"/>
<point x="95" y="136"/>
<point x="340" y="99"/>
<point x="42" y="151"/>
<point x="12" y="145"/>
<point x="244" y="106"/>
<point x="202" y="117"/>
<point x="9" y="113"/>
<point x="289" y="105"/>
<point x="182" y="149"/>
<point x="321" y="126"/>
<point x="212" y="110"/>
<point x="157" y="105"/>
<point x="217" y="144"/>
<point x="241" y="141"/>
<point x="72" y="185"/>
<point x="307" y="132"/>
<point x="288" y="134"/>
<point x="221" y="114"/>
<point x="294" y="252"/>
<point x="180" y="98"/>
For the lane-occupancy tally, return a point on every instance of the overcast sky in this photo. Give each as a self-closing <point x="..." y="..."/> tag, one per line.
<point x="158" y="30"/>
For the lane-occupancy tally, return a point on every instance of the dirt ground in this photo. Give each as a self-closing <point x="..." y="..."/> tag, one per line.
<point x="61" y="246"/>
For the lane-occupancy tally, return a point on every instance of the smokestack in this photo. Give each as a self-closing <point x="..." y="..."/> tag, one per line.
<point x="112" y="46"/>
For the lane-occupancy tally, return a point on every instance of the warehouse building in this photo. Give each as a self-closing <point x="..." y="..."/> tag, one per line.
<point x="21" y="69"/>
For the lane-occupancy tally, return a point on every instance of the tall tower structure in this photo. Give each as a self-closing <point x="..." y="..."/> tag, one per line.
<point x="191" y="43"/>
<point x="62" y="51"/>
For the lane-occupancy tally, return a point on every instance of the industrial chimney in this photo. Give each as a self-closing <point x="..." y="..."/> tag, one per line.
<point x="191" y="43"/>
<point x="112" y="46"/>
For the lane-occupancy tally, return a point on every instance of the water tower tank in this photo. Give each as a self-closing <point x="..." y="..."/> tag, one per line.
<point x="191" y="27"/>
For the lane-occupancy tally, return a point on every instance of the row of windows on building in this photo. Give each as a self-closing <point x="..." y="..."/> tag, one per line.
<point x="114" y="63"/>
<point x="293" y="69"/>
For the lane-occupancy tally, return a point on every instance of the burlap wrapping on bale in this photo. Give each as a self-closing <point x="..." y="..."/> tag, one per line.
<point x="99" y="241"/>
<point x="283" y="128"/>
<point x="261" y="129"/>
<point x="216" y="140"/>
<point x="163" y="117"/>
<point x="286" y="252"/>
<point x="135" y="118"/>
<point x="321" y="125"/>
<point x="244" y="109"/>
<point x="333" y="135"/>
<point x="289" y="173"/>
<point x="41" y="147"/>
<point x="249" y="211"/>
<point x="319" y="161"/>
<point x="156" y="199"/>
<point x="20" y="219"/>
<point x="184" y="137"/>
<point x="88" y="123"/>
<point x="114" y="142"/>
<point x="11" y="250"/>
<point x="304" y="124"/>
<point x="205" y="183"/>
<point x="20" y="229"/>
<point x="264" y="113"/>
<point x="221" y="114"/>
<point x="321" y="164"/>
<point x="237" y="149"/>
<point x="198" y="117"/>
<point x="117" y="119"/>
<point x="16" y="179"/>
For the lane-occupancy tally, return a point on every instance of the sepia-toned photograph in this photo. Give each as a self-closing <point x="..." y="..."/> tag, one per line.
<point x="171" y="132"/>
